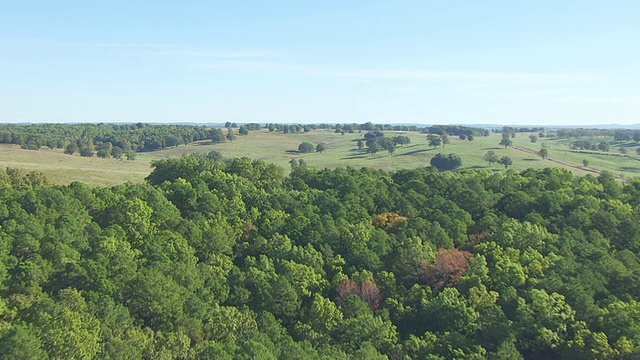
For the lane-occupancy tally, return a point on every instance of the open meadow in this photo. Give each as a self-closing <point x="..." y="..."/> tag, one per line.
<point x="341" y="151"/>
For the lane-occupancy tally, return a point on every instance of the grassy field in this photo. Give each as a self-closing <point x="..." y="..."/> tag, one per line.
<point x="341" y="150"/>
<point x="64" y="169"/>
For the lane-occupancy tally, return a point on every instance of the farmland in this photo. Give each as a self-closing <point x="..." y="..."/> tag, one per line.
<point x="341" y="151"/>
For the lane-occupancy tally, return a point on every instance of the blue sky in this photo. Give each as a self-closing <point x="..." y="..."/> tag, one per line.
<point x="459" y="62"/>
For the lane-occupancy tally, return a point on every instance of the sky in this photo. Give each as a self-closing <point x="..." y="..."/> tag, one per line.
<point x="425" y="62"/>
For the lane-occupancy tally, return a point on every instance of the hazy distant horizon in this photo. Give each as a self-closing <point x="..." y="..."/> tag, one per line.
<point x="570" y="63"/>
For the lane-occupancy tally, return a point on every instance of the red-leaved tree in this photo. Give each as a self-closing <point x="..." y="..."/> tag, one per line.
<point x="368" y="291"/>
<point x="450" y="265"/>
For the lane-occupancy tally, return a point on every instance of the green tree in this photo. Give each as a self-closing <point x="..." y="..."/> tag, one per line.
<point x="444" y="139"/>
<point x="86" y="151"/>
<point x="444" y="162"/>
<point x="543" y="153"/>
<point x="506" y="142"/>
<point x="117" y="152"/>
<point x="217" y="136"/>
<point x="373" y="146"/>
<point x="306" y="147"/>
<point x="603" y="146"/>
<point x="20" y="343"/>
<point x="320" y="147"/>
<point x="71" y="148"/>
<point x="491" y="157"/>
<point x="130" y="155"/>
<point x="434" y="140"/>
<point x="230" y="136"/>
<point x="506" y="161"/>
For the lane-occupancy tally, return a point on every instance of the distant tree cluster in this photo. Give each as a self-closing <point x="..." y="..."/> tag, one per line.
<point x="590" y="145"/>
<point x="87" y="139"/>
<point x="377" y="141"/>
<point x="456" y="130"/>
<point x="306" y="147"/>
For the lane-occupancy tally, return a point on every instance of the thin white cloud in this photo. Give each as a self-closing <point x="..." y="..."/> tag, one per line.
<point x="121" y="45"/>
<point x="461" y="78"/>
<point x="206" y="54"/>
<point x="482" y="76"/>
<point x="600" y="100"/>
<point x="174" y="51"/>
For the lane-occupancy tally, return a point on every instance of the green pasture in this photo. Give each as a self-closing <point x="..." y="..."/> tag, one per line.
<point x="64" y="169"/>
<point x="341" y="151"/>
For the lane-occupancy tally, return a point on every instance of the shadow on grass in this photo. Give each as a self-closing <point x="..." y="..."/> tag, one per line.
<point x="530" y="159"/>
<point x="629" y="168"/>
<point x="352" y="157"/>
<point x="293" y="152"/>
<point x="415" y="152"/>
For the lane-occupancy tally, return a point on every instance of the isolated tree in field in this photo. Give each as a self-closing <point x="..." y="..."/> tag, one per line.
<point x="543" y="153"/>
<point x="463" y="137"/>
<point x="360" y="144"/>
<point x="230" y="135"/>
<point x="227" y="124"/>
<point x="533" y="138"/>
<point x="306" y="147"/>
<point x="470" y="137"/>
<point x="320" y="148"/>
<point x="506" y="161"/>
<point x="444" y="138"/>
<point x="434" y="140"/>
<point x="446" y="162"/>
<point x="506" y="142"/>
<point x="491" y="157"/>
<point x="585" y="162"/>
<point x="243" y="130"/>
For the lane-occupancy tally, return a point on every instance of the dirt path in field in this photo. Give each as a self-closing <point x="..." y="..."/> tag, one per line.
<point x="569" y="164"/>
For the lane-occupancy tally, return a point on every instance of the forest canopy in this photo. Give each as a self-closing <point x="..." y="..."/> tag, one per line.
<point x="231" y="259"/>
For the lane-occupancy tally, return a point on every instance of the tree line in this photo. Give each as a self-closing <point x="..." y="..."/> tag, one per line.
<point x="115" y="140"/>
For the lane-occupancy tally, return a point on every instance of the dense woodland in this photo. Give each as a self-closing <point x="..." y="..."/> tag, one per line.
<point x="231" y="259"/>
<point x="97" y="137"/>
